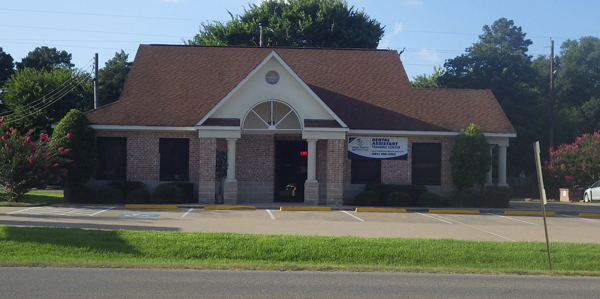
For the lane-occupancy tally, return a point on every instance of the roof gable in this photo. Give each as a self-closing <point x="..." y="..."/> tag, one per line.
<point x="254" y="89"/>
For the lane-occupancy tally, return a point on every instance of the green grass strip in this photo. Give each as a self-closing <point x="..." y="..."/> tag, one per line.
<point x="34" y="198"/>
<point x="35" y="246"/>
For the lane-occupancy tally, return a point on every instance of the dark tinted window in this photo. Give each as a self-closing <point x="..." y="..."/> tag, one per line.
<point x="112" y="158"/>
<point x="174" y="159"/>
<point x="426" y="163"/>
<point x="366" y="171"/>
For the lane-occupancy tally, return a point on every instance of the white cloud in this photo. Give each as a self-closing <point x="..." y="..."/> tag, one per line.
<point x="429" y="55"/>
<point x="385" y="41"/>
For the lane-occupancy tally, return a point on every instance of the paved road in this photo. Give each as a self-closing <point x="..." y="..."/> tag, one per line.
<point x="136" y="283"/>
<point x="485" y="227"/>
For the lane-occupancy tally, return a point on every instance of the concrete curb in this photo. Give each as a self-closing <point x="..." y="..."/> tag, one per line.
<point x="451" y="211"/>
<point x="305" y="208"/>
<point x="157" y="207"/>
<point x="592" y="215"/>
<point x="528" y="213"/>
<point x="380" y="210"/>
<point x="219" y="207"/>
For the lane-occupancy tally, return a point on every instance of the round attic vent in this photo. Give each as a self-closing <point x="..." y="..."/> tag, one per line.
<point x="272" y="77"/>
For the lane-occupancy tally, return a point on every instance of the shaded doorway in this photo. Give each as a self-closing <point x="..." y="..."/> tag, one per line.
<point x="290" y="170"/>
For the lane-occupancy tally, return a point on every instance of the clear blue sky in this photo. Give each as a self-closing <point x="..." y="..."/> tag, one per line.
<point x="430" y="30"/>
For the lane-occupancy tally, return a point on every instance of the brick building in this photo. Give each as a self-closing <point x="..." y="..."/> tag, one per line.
<point x="293" y="124"/>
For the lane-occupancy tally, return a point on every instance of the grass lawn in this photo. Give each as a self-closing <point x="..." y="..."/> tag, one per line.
<point x="65" y="247"/>
<point x="35" y="198"/>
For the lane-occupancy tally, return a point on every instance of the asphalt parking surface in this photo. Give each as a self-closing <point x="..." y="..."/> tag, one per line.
<point x="564" y="227"/>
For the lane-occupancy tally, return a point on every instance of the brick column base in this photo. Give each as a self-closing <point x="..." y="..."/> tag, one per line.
<point x="335" y="194"/>
<point x="230" y="192"/>
<point x="206" y="192"/>
<point x="311" y="193"/>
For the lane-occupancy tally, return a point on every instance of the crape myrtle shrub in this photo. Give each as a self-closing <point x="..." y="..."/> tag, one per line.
<point x="384" y="190"/>
<point x="28" y="161"/>
<point x="577" y="164"/>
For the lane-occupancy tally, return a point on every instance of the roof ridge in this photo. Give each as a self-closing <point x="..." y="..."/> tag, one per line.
<point x="271" y="47"/>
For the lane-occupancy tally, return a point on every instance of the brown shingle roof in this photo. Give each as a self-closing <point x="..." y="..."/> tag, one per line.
<point x="367" y="89"/>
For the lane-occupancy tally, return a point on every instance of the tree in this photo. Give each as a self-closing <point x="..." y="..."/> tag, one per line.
<point x="470" y="160"/>
<point x="73" y="132"/>
<point x="431" y="81"/>
<point x="44" y="58"/>
<point x="38" y="98"/>
<point x="6" y="67"/>
<point x="499" y="61"/>
<point x="295" y="23"/>
<point x="112" y="77"/>
<point x="26" y="163"/>
<point x="578" y="77"/>
<point x="576" y="164"/>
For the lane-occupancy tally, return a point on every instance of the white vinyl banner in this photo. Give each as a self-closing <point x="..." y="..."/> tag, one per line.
<point x="378" y="148"/>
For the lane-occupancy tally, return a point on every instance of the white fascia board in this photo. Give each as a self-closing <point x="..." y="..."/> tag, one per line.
<point x="254" y="71"/>
<point x="330" y="133"/>
<point x="142" y="128"/>
<point x="220" y="132"/>
<point x="423" y="133"/>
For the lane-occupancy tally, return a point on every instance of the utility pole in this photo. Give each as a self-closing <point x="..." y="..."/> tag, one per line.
<point x="551" y="94"/>
<point x="96" y="81"/>
<point x="261" y="34"/>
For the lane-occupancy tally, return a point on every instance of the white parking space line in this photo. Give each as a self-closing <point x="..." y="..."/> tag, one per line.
<point x="21" y="211"/>
<point x="483" y="230"/>
<point x="50" y="211"/>
<point x="187" y="212"/>
<point x="271" y="214"/>
<point x="582" y="218"/>
<point x="511" y="218"/>
<point x="352" y="215"/>
<point x="102" y="211"/>
<point x="434" y="218"/>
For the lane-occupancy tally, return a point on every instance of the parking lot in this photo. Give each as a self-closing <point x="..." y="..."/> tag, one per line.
<point x="484" y="227"/>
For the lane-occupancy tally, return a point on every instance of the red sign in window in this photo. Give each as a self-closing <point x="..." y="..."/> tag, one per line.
<point x="303" y="153"/>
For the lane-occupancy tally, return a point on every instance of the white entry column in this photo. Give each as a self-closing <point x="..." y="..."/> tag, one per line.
<point x="489" y="179"/>
<point x="312" y="160"/>
<point x="231" y="159"/>
<point x="230" y="192"/>
<point x="311" y="186"/>
<point x="502" y="166"/>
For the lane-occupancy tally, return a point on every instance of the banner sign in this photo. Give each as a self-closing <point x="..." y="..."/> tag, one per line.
<point x="378" y="148"/>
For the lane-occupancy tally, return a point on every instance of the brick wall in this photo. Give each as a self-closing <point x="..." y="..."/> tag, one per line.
<point x="255" y="158"/>
<point x="142" y="152"/>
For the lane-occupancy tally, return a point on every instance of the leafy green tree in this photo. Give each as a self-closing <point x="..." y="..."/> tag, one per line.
<point x="499" y="61"/>
<point x="578" y="76"/>
<point x="6" y="66"/>
<point x="73" y="132"/>
<point x="470" y="160"/>
<point x="27" y="162"/>
<point x="429" y="81"/>
<point x="44" y="58"/>
<point x="295" y="23"/>
<point x="112" y="77"/>
<point x="38" y="98"/>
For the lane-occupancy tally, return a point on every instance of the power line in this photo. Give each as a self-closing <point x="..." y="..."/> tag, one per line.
<point x="101" y="15"/>
<point x="87" y="31"/>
